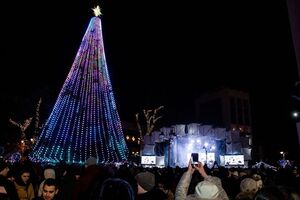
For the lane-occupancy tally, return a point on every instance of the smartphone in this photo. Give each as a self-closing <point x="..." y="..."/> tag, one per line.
<point x="195" y="158"/>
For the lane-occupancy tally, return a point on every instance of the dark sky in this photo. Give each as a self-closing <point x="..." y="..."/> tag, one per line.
<point x="158" y="53"/>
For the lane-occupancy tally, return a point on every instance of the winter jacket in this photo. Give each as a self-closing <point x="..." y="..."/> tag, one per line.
<point x="25" y="192"/>
<point x="183" y="186"/>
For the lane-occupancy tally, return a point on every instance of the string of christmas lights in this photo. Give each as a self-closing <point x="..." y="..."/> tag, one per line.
<point x="84" y="121"/>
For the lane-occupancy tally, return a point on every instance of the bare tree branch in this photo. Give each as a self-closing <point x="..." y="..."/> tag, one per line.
<point x="37" y="117"/>
<point x="150" y="119"/>
<point x="22" y="126"/>
<point x="138" y="124"/>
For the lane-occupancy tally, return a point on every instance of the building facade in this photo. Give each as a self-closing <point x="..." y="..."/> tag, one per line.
<point x="225" y="107"/>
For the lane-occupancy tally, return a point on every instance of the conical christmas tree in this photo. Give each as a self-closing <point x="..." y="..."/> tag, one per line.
<point x="84" y="121"/>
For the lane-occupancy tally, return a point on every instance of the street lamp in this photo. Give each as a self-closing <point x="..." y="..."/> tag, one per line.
<point x="295" y="114"/>
<point x="283" y="155"/>
<point x="205" y="148"/>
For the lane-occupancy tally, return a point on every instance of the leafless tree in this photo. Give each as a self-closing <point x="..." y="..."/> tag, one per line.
<point x="151" y="118"/>
<point x="23" y="126"/>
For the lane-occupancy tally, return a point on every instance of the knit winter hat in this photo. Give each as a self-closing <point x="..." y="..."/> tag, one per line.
<point x="91" y="161"/>
<point x="258" y="180"/>
<point x="49" y="173"/>
<point x="235" y="173"/>
<point x="248" y="185"/>
<point x="206" y="190"/>
<point x="146" y="180"/>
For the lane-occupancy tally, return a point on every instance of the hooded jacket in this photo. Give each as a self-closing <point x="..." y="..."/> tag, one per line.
<point x="183" y="185"/>
<point x="48" y="173"/>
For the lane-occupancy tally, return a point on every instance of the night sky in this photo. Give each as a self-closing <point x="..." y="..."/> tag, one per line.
<point x="157" y="54"/>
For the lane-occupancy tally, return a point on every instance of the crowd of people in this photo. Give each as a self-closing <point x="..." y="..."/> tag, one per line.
<point x="26" y="180"/>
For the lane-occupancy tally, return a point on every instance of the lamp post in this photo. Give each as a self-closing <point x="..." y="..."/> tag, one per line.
<point x="296" y="116"/>
<point x="205" y="149"/>
<point x="283" y="155"/>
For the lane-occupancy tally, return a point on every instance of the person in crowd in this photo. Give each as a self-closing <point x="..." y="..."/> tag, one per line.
<point x="231" y="184"/>
<point x="67" y="179"/>
<point x="115" y="189"/>
<point x="24" y="186"/>
<point x="269" y="193"/>
<point x="88" y="178"/>
<point x="258" y="180"/>
<point x="25" y="162"/>
<point x="7" y="188"/>
<point x="209" y="189"/>
<point x="248" y="189"/>
<point x="147" y="189"/>
<point x="162" y="186"/>
<point x="48" y="173"/>
<point x="50" y="190"/>
<point x="11" y="176"/>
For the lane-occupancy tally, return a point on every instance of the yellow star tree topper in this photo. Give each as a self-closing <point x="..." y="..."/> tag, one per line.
<point x="97" y="11"/>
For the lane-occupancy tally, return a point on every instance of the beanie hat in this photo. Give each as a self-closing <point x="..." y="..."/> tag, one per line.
<point x="207" y="190"/>
<point x="115" y="188"/>
<point x="91" y="161"/>
<point x="235" y="173"/>
<point x="248" y="185"/>
<point x="49" y="173"/>
<point x="146" y="180"/>
<point x="259" y="182"/>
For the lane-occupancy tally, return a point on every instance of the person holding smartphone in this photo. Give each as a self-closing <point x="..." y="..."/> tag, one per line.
<point x="208" y="189"/>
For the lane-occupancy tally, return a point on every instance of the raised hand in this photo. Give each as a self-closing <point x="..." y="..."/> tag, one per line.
<point x="199" y="167"/>
<point x="190" y="167"/>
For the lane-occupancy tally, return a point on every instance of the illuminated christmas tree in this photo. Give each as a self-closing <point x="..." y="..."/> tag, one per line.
<point x="84" y="121"/>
